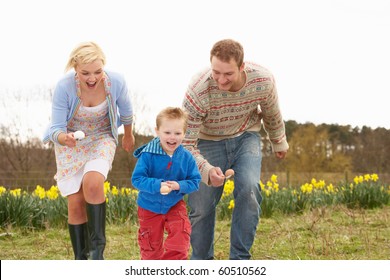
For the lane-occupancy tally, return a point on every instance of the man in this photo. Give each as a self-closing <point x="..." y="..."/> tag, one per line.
<point x="226" y="104"/>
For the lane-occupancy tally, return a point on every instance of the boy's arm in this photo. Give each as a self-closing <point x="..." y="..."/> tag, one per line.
<point x="141" y="179"/>
<point x="191" y="183"/>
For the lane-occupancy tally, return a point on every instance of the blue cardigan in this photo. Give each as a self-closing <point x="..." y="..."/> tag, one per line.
<point x="154" y="166"/>
<point x="66" y="102"/>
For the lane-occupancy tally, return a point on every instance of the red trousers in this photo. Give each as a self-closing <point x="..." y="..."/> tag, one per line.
<point x="151" y="233"/>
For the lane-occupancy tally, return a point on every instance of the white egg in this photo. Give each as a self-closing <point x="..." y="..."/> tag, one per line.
<point x="164" y="190"/>
<point x="78" y="135"/>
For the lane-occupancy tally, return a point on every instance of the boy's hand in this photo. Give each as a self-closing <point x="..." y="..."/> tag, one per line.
<point x="173" y="185"/>
<point x="165" y="189"/>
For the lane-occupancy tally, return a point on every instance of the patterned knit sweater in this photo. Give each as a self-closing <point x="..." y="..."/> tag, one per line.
<point x="215" y="114"/>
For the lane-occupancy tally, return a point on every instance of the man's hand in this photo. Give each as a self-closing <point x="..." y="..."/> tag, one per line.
<point x="281" y="154"/>
<point x="216" y="177"/>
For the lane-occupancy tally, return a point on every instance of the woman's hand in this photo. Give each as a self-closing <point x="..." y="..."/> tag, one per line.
<point x="67" y="139"/>
<point x="128" y="141"/>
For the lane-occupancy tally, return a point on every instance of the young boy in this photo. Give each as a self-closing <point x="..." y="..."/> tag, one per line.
<point x="164" y="173"/>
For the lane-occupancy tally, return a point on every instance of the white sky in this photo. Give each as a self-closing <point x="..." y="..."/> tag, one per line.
<point x="330" y="58"/>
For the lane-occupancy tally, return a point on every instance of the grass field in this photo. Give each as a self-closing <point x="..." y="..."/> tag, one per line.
<point x="327" y="233"/>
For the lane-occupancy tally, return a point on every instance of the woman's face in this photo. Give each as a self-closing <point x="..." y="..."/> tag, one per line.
<point x="90" y="75"/>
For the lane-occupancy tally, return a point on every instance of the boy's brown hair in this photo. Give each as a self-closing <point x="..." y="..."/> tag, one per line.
<point x="172" y="113"/>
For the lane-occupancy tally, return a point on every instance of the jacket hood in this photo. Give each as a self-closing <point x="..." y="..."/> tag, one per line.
<point x="152" y="147"/>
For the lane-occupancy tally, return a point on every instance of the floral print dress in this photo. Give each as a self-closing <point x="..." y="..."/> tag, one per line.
<point x="98" y="144"/>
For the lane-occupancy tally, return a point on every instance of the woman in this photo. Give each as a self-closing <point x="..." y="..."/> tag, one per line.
<point x="94" y="101"/>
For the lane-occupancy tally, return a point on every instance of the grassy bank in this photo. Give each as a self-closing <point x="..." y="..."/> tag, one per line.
<point x="326" y="233"/>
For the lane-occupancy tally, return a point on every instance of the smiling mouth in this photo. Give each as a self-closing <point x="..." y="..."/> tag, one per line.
<point x="225" y="84"/>
<point x="91" y="85"/>
<point x="171" y="144"/>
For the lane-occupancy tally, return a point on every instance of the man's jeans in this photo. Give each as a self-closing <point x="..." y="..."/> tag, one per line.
<point x="243" y="154"/>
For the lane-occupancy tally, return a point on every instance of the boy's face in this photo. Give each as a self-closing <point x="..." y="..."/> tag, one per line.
<point x="171" y="134"/>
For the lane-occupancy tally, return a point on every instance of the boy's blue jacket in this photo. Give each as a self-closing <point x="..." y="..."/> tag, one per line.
<point x="154" y="166"/>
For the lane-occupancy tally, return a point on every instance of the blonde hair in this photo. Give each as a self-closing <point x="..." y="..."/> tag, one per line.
<point x="172" y="113"/>
<point x="227" y="49"/>
<point x="84" y="53"/>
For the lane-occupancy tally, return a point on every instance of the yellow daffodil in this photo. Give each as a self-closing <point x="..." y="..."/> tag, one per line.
<point x="2" y="190"/>
<point x="374" y="177"/>
<point x="294" y="192"/>
<point x="320" y="184"/>
<point x="134" y="192"/>
<point x="307" y="188"/>
<point x="114" y="190"/>
<point x="262" y="186"/>
<point x="52" y="193"/>
<point x="276" y="187"/>
<point x="330" y="188"/>
<point x="16" y="192"/>
<point x="125" y="191"/>
<point x="40" y="192"/>
<point x="228" y="188"/>
<point x="106" y="187"/>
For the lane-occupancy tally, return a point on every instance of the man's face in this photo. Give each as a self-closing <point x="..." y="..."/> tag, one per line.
<point x="227" y="74"/>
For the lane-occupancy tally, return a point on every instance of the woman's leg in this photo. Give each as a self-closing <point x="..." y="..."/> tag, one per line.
<point x="77" y="225"/>
<point x="93" y="188"/>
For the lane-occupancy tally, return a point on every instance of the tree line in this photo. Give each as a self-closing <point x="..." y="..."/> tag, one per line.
<point x="340" y="151"/>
